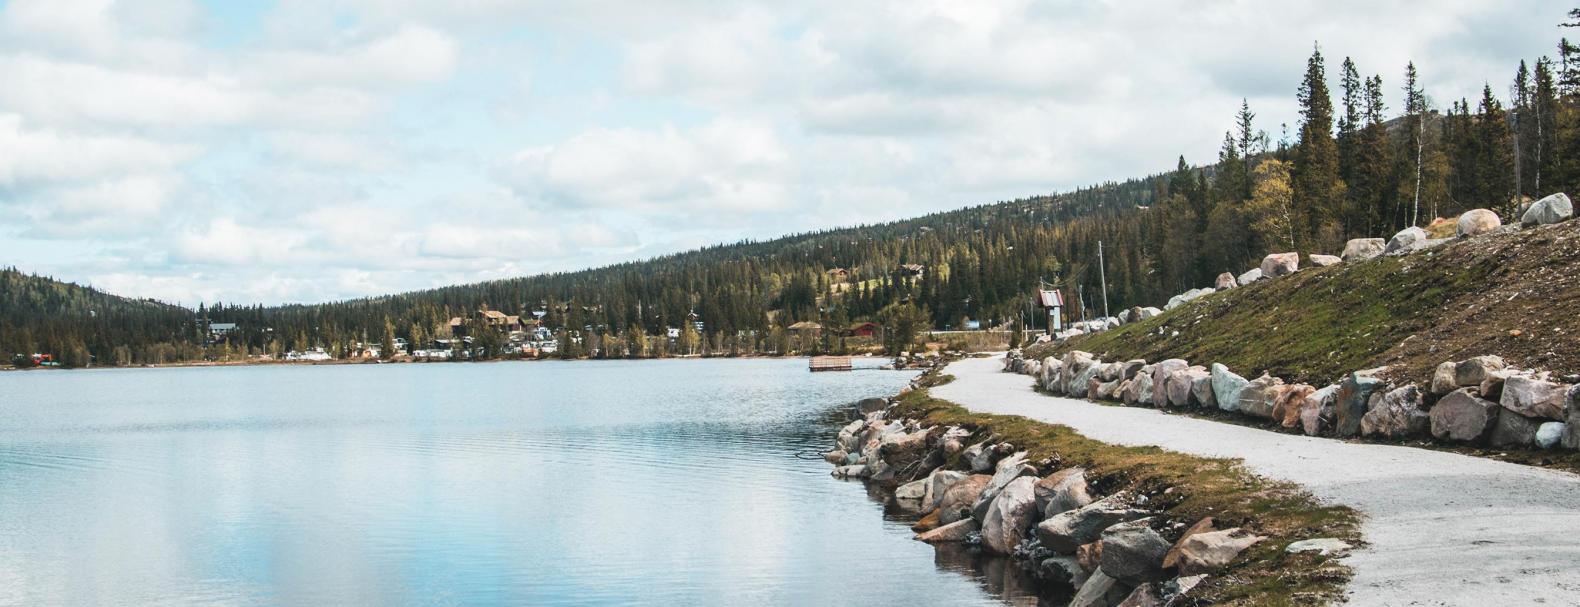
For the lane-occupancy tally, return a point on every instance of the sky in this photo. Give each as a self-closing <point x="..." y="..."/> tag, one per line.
<point x="252" y="151"/>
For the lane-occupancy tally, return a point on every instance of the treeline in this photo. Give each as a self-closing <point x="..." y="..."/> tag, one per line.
<point x="1348" y="170"/>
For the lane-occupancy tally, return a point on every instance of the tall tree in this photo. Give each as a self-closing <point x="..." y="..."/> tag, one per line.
<point x="1544" y="107"/>
<point x="1494" y="167"/>
<point x="1371" y="185"/>
<point x="1318" y="193"/>
<point x="1415" y="109"/>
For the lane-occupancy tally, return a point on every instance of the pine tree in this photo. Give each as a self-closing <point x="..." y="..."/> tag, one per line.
<point x="1544" y="106"/>
<point x="1494" y="156"/>
<point x="1318" y="193"/>
<point x="1520" y="116"/>
<point x="1374" y="164"/>
<point x="1415" y="109"/>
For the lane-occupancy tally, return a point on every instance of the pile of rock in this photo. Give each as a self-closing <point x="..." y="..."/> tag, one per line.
<point x="1479" y="400"/>
<point x="1110" y="550"/>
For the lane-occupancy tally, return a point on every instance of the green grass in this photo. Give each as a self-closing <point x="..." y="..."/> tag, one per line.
<point x="1313" y="326"/>
<point x="1186" y="489"/>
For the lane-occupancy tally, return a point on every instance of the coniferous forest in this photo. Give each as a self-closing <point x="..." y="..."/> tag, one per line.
<point x="1373" y="153"/>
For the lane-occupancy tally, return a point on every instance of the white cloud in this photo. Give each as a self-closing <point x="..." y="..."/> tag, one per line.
<point x="40" y="155"/>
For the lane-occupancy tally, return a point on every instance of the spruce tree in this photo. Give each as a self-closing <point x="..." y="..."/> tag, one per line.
<point x="1317" y="192"/>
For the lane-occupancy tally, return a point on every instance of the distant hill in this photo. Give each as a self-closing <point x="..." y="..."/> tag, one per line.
<point x="70" y="321"/>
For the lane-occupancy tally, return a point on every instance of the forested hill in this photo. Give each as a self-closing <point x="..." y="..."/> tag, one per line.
<point x="1353" y="169"/>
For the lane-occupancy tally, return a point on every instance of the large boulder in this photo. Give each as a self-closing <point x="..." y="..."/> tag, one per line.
<point x="1259" y="395"/>
<point x="1472" y="371"/>
<point x="1323" y="261"/>
<point x="1208" y="552"/>
<point x="1010" y="516"/>
<point x="1066" y="531"/>
<point x="1133" y="553"/>
<point x="1549" y="210"/>
<point x="1362" y="248"/>
<point x="1491" y="388"/>
<point x="1280" y="264"/>
<point x="1406" y="241"/>
<point x="1571" y="435"/>
<point x="1062" y="491"/>
<point x="1396" y="414"/>
<point x="1049" y="372"/>
<point x="1533" y="397"/>
<point x="1443" y="380"/>
<point x="1080" y="385"/>
<point x="978" y="457"/>
<point x="1139" y="393"/>
<point x="1226" y="387"/>
<point x="938" y="483"/>
<point x="1071" y="366"/>
<point x="1179" y="300"/>
<point x="1515" y="430"/>
<point x="957" y="531"/>
<point x="1225" y="281"/>
<point x="1350" y="404"/>
<point x="1549" y="434"/>
<point x="1179" y="383"/>
<point x="1160" y="377"/>
<point x="1249" y="276"/>
<point x="871" y="405"/>
<point x="1094" y="593"/>
<point x="1008" y="469"/>
<point x="1201" y="390"/>
<point x="1129" y="368"/>
<point x="1286" y="410"/>
<point x="1463" y="416"/>
<point x="910" y="495"/>
<point x="1475" y="222"/>
<point x="850" y="436"/>
<point x="1317" y="410"/>
<point x="957" y="499"/>
<point x="908" y="454"/>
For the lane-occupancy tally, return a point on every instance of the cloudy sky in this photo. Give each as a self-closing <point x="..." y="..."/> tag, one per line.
<point x="289" y="151"/>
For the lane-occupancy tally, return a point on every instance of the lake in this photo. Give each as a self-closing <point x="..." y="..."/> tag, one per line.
<point x="543" y="483"/>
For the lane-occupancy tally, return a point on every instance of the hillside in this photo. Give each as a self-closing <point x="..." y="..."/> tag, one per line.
<point x="1516" y="295"/>
<point x="40" y="314"/>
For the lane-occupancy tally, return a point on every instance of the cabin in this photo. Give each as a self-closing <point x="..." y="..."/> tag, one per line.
<point x="838" y="274"/>
<point x="911" y="270"/>
<point x="218" y="330"/>
<point x="866" y="329"/>
<point x="806" y="327"/>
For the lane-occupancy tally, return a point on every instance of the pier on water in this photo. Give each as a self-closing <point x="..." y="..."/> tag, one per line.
<point x="829" y="363"/>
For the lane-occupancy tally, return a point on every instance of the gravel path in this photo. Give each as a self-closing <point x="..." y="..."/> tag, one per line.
<point x="1443" y="529"/>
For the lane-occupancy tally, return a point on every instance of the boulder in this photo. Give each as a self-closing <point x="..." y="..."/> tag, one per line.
<point x="1406" y="241"/>
<point x="1010" y="516"/>
<point x="870" y="405"/>
<point x="1515" y="430"/>
<point x="1259" y="395"/>
<point x="908" y="453"/>
<point x="1226" y="387"/>
<point x="1471" y="371"/>
<point x="1549" y="434"/>
<point x="1129" y="368"/>
<point x="1179" y="300"/>
<point x="1109" y="371"/>
<point x="928" y="522"/>
<point x="1280" y="264"/>
<point x="1225" y="281"/>
<point x="1250" y="276"/>
<point x="1350" y="403"/>
<point x="957" y="531"/>
<point x="1179" y="383"/>
<point x="957" y="499"/>
<point x="1071" y="366"/>
<point x="1062" y="570"/>
<point x="1094" y="593"/>
<point x="1066" y="531"/>
<point x="1211" y="551"/>
<point x="1140" y="391"/>
<point x="1107" y="390"/>
<point x="1007" y="470"/>
<point x="1323" y="261"/>
<point x="1443" y="380"/>
<point x="1080" y="385"/>
<point x="1396" y="414"/>
<point x="856" y="471"/>
<point x="1149" y="312"/>
<point x="1464" y="417"/>
<point x="1145" y="595"/>
<point x="978" y="457"/>
<point x="937" y="483"/>
<point x="910" y="495"/>
<point x="1476" y="222"/>
<point x="1201" y="390"/>
<point x="1090" y="556"/>
<point x="1062" y="491"/>
<point x="849" y="437"/>
<point x="1491" y="388"/>
<point x="1549" y="210"/>
<point x="1286" y="410"/>
<point x="836" y="457"/>
<point x="1571" y="435"/>
<point x="1160" y="376"/>
<point x="1362" y="248"/>
<point x="1133" y="553"/>
<point x="1172" y="559"/>
<point x="1317" y="410"/>
<point x="1049" y="372"/>
<point x="1533" y="397"/>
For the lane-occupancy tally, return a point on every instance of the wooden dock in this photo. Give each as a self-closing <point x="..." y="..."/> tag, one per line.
<point x="829" y="363"/>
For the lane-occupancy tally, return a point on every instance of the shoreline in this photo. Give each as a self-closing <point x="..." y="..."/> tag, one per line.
<point x="409" y="360"/>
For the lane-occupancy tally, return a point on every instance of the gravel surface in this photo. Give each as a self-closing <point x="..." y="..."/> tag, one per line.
<point x="1442" y="528"/>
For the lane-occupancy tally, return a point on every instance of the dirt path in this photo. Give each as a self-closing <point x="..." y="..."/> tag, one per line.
<point x="1444" y="529"/>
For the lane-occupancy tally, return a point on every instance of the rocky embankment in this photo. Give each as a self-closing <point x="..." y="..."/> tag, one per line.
<point x="1480" y="400"/>
<point x="1102" y="541"/>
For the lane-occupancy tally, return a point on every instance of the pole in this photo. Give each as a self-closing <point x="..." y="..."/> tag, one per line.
<point x="1103" y="276"/>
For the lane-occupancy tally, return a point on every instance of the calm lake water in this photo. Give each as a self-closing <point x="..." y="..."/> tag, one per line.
<point x="655" y="482"/>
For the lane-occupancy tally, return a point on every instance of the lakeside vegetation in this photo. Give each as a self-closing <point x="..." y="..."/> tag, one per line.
<point x="1347" y="171"/>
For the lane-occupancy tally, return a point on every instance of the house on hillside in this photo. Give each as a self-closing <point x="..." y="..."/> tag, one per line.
<point x="838" y="274"/>
<point x="865" y="329"/>
<point x="806" y="328"/>
<point x="221" y="330"/>
<point x="911" y="270"/>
